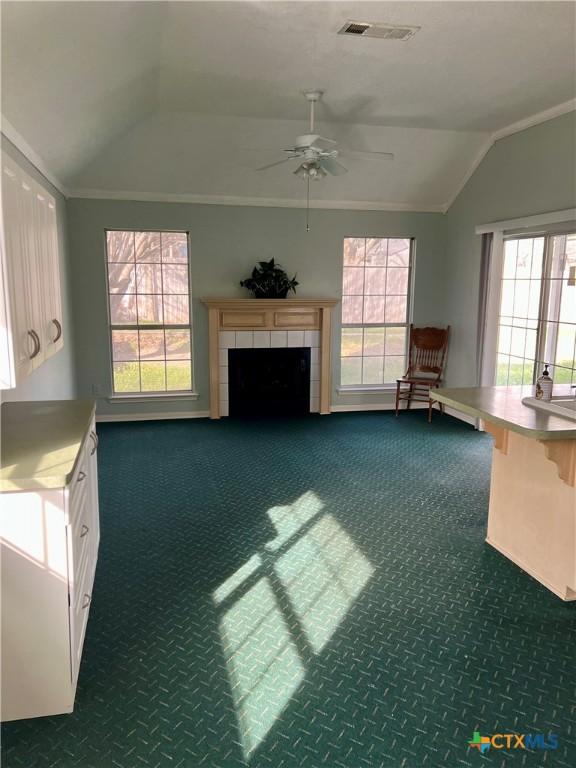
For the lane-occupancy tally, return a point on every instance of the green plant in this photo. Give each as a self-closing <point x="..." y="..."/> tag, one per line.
<point x="269" y="281"/>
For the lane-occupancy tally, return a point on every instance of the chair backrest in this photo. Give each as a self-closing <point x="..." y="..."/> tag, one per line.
<point x="427" y="352"/>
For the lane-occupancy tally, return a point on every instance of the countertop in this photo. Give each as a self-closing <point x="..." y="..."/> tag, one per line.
<point x="504" y="406"/>
<point x="40" y="442"/>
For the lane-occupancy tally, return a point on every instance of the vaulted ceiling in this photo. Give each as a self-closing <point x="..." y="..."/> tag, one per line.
<point x="159" y="99"/>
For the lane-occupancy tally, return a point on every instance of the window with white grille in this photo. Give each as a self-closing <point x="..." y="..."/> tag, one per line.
<point x="149" y="310"/>
<point x="375" y="310"/>
<point x="537" y="319"/>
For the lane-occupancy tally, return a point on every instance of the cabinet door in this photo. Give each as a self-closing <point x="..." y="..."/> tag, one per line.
<point x="22" y="345"/>
<point x="52" y="330"/>
<point x="93" y="487"/>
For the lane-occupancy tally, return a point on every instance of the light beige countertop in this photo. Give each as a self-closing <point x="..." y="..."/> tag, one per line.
<point x="504" y="406"/>
<point x="40" y="442"/>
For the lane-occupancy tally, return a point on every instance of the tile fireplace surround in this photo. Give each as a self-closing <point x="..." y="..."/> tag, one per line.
<point x="247" y="323"/>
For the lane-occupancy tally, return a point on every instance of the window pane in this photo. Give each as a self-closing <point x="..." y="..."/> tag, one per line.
<point x="504" y="339"/>
<point x="178" y="345"/>
<point x="121" y="278"/>
<point x="351" y="342"/>
<point x="524" y="259"/>
<point x="394" y="368"/>
<point x="120" y="246"/>
<point x="373" y="370"/>
<point x="176" y="310"/>
<point x="530" y="350"/>
<point x="537" y="258"/>
<point x="396" y="341"/>
<point x="502" y="365"/>
<point x="565" y="345"/>
<point x="175" y="278"/>
<point x="351" y="370"/>
<point x="374" y="341"/>
<point x="125" y="345"/>
<point x="518" y="342"/>
<point x="352" y="309"/>
<point x="126" y="377"/>
<point x="152" y="345"/>
<point x="149" y="278"/>
<point x="123" y="310"/>
<point x="178" y="375"/>
<point x="174" y="248"/>
<point x="150" y="310"/>
<point x="353" y="281"/>
<point x="399" y="253"/>
<point x="147" y="247"/>
<point x="354" y="249"/>
<point x="534" y="299"/>
<point x="521" y="294"/>
<point x="375" y="281"/>
<point x="397" y="281"/>
<point x="376" y="251"/>
<point x="374" y="309"/>
<point x="153" y="377"/>
<point x="510" y="251"/>
<point x="396" y="309"/>
<point x="507" y="298"/>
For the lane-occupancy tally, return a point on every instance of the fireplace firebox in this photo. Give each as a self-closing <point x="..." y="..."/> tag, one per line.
<point x="269" y="382"/>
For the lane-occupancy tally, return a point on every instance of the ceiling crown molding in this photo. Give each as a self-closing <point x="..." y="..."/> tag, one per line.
<point x="261" y="202"/>
<point x="10" y="133"/>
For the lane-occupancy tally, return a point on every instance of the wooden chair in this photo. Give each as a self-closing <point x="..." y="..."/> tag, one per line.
<point x="426" y="358"/>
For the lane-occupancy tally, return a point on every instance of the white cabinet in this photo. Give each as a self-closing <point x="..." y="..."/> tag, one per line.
<point x="49" y="544"/>
<point x="31" y="297"/>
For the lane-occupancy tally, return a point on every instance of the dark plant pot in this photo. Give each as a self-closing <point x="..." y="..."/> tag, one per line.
<point x="272" y="295"/>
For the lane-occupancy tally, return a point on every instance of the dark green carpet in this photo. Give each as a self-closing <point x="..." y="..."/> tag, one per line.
<point x="306" y="593"/>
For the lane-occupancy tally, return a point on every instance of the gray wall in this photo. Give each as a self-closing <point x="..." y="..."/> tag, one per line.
<point x="226" y="242"/>
<point x="55" y="379"/>
<point x="524" y="174"/>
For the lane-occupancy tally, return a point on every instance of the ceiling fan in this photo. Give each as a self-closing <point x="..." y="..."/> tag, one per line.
<point x="318" y="154"/>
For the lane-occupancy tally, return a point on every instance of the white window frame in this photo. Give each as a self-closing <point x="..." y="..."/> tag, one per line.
<point x="546" y="224"/>
<point x="151" y="396"/>
<point x="351" y="389"/>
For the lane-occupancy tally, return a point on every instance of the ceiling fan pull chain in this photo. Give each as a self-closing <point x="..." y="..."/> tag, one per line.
<point x="308" y="204"/>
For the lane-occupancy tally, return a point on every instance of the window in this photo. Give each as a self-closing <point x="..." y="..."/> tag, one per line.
<point x="375" y="310"/>
<point x="149" y="309"/>
<point x="537" y="319"/>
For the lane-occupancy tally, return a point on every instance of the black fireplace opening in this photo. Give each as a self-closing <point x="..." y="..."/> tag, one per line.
<point x="269" y="381"/>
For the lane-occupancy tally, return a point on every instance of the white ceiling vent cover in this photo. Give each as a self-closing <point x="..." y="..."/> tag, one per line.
<point x="381" y="31"/>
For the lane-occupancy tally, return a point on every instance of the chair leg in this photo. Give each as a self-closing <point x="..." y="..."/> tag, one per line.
<point x="409" y="400"/>
<point x="397" y="397"/>
<point x="430" y="403"/>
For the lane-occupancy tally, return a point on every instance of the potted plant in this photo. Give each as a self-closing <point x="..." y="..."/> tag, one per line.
<point x="269" y="281"/>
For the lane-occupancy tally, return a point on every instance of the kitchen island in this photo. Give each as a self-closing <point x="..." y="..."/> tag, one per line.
<point x="532" y="512"/>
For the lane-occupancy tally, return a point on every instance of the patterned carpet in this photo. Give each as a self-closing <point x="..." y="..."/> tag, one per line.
<point x="313" y="592"/>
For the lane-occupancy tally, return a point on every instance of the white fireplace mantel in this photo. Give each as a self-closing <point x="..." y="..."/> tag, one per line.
<point x="272" y="315"/>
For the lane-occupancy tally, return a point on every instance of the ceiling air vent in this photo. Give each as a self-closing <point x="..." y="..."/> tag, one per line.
<point x="381" y="31"/>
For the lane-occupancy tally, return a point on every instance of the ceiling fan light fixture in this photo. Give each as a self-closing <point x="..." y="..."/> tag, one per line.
<point x="310" y="170"/>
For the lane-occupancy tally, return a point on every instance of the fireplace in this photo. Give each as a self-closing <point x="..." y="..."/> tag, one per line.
<point x="267" y="325"/>
<point x="269" y="382"/>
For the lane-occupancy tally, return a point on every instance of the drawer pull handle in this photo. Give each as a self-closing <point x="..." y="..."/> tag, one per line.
<point x="81" y="476"/>
<point x="58" y="330"/>
<point x="86" y="601"/>
<point x="84" y="530"/>
<point x="36" y="340"/>
<point x="94" y="437"/>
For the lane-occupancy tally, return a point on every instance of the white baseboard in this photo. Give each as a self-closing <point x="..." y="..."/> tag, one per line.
<point x="391" y="407"/>
<point x="152" y="416"/>
<point x="372" y="407"/>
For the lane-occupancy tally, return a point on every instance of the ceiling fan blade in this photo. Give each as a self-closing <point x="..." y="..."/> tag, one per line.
<point x="271" y="165"/>
<point x="332" y="165"/>
<point x="368" y="153"/>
